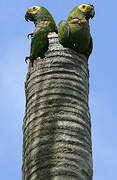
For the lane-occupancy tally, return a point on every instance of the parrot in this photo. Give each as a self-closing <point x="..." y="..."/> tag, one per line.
<point x="44" y="23"/>
<point x="74" y="32"/>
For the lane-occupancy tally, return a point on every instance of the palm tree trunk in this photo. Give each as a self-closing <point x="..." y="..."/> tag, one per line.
<point x="57" y="128"/>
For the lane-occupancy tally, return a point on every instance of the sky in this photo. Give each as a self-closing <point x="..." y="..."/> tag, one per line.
<point x="103" y="84"/>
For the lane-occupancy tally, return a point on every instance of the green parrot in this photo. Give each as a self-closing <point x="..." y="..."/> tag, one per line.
<point x="74" y="32"/>
<point x="44" y="24"/>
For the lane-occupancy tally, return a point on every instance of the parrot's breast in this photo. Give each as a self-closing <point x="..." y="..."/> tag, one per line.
<point x="80" y="36"/>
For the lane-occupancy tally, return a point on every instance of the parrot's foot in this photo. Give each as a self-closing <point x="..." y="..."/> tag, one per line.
<point x="26" y="58"/>
<point x="29" y="58"/>
<point x="30" y="34"/>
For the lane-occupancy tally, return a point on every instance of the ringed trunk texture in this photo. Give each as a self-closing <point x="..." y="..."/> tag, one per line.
<point x="57" y="127"/>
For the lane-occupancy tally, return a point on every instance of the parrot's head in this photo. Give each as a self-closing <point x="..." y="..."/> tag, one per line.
<point x="87" y="10"/>
<point x="32" y="12"/>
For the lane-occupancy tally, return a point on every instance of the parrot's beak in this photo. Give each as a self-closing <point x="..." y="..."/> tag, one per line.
<point x="92" y="13"/>
<point x="91" y="5"/>
<point x="29" y="17"/>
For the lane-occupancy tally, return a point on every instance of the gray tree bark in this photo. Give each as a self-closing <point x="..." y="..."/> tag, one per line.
<point x="57" y="127"/>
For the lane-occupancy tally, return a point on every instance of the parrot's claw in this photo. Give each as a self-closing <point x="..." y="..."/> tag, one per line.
<point x="29" y="58"/>
<point x="26" y="58"/>
<point x="30" y="34"/>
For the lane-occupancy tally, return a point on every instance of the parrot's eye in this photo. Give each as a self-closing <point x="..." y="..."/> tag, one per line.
<point x="83" y="6"/>
<point x="34" y="8"/>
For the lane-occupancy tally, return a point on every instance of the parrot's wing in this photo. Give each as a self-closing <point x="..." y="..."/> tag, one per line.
<point x="39" y="43"/>
<point x="34" y="46"/>
<point x="63" y="33"/>
<point x="46" y="16"/>
<point x="90" y="48"/>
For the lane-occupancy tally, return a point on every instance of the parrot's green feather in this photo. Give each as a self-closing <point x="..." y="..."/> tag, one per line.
<point x="44" y="15"/>
<point x="74" y="33"/>
<point x="75" y="13"/>
<point x="39" y="43"/>
<point x="44" y="24"/>
<point x="64" y="33"/>
<point x="90" y="48"/>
